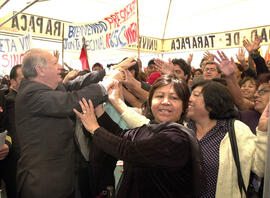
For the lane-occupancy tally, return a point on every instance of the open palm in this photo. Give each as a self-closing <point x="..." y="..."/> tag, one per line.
<point x="226" y="65"/>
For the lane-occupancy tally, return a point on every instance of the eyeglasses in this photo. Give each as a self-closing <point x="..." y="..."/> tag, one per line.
<point x="262" y="91"/>
<point x="210" y="69"/>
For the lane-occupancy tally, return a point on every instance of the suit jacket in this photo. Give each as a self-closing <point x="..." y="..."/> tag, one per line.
<point x="45" y="132"/>
<point x="10" y="119"/>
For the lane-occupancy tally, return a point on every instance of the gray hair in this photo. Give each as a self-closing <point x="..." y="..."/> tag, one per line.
<point x="31" y="59"/>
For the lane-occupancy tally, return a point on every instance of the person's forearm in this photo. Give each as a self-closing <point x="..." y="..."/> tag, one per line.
<point x="130" y="116"/>
<point x="136" y="88"/>
<point x="140" y="93"/>
<point x="82" y="81"/>
<point x="119" y="105"/>
<point x="260" y="63"/>
<point x="250" y="73"/>
<point x="237" y="97"/>
<point x="131" y="99"/>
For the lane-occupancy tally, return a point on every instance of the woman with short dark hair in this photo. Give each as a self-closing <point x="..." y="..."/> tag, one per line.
<point x="161" y="159"/>
<point x="248" y="88"/>
<point x="210" y="109"/>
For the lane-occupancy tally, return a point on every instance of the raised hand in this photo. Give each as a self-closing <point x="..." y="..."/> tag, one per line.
<point x="164" y="67"/>
<point x="190" y="58"/>
<point x="226" y="65"/>
<point x="113" y="93"/>
<point x="241" y="58"/>
<point x="116" y="74"/>
<point x="252" y="47"/>
<point x="87" y="116"/>
<point x="125" y="64"/>
<point x="56" y="54"/>
<point x="129" y="79"/>
<point x="241" y="55"/>
<point x="209" y="56"/>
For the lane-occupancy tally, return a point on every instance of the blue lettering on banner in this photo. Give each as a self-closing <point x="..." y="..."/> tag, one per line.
<point x="95" y="44"/>
<point x="114" y="42"/>
<point x="1" y="46"/>
<point x="87" y="30"/>
<point x="13" y="45"/>
<point x="72" y="45"/>
<point x="97" y="28"/>
<point x="7" y="45"/>
<point x="120" y="34"/>
<point x="114" y="39"/>
<point x="25" y="42"/>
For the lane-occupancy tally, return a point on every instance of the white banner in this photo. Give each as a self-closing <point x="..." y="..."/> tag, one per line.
<point x="115" y="31"/>
<point x="12" y="50"/>
<point x="222" y="40"/>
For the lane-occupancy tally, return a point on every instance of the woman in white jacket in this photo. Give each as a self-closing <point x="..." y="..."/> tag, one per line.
<point x="210" y="108"/>
<point x="209" y="111"/>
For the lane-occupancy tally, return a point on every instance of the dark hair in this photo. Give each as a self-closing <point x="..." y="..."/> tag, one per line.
<point x="134" y="67"/>
<point x="180" y="88"/>
<point x="263" y="78"/>
<point x="217" y="100"/>
<point x="245" y="79"/>
<point x="239" y="66"/>
<point x="183" y="65"/>
<point x="97" y="65"/>
<point x="201" y="63"/>
<point x="151" y="62"/>
<point x="220" y="80"/>
<point x="199" y="70"/>
<point x="13" y="72"/>
<point x="213" y="63"/>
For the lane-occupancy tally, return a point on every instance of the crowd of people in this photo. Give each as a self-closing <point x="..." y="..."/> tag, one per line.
<point x="167" y="121"/>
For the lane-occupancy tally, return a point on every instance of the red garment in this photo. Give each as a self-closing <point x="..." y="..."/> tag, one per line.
<point x="153" y="77"/>
<point x="84" y="59"/>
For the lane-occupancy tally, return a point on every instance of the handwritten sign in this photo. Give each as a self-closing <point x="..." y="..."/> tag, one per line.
<point x="147" y="44"/>
<point x="222" y="40"/>
<point x="12" y="50"/>
<point x="115" y="31"/>
<point x="41" y="26"/>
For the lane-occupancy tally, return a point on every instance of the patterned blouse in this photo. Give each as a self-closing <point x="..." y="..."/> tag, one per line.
<point x="210" y="144"/>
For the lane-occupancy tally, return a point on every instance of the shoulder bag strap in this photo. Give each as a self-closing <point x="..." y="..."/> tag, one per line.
<point x="233" y="141"/>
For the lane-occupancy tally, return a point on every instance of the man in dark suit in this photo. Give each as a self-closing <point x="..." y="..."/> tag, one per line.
<point x="45" y="130"/>
<point x="8" y="165"/>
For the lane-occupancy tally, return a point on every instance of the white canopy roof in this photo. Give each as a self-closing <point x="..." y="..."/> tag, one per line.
<point x="185" y="18"/>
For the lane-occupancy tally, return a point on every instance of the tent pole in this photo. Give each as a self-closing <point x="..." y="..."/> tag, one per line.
<point x="165" y="27"/>
<point x="4" y="4"/>
<point x="266" y="189"/>
<point x="19" y="12"/>
<point x="63" y="36"/>
<point x="138" y="31"/>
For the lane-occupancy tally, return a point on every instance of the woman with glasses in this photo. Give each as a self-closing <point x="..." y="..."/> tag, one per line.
<point x="249" y="111"/>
